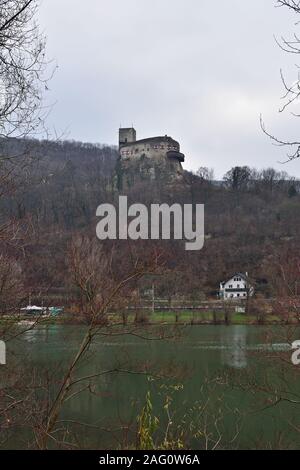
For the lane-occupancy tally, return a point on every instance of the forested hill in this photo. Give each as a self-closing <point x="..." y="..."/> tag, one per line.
<point x="252" y="219"/>
<point x="55" y="155"/>
<point x="56" y="181"/>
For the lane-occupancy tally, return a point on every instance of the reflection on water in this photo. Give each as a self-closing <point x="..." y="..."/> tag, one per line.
<point x="235" y="340"/>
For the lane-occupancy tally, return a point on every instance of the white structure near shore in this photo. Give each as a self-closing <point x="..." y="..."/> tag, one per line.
<point x="237" y="287"/>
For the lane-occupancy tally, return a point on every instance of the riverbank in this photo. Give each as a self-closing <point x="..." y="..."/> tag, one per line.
<point x="188" y="317"/>
<point x="159" y="318"/>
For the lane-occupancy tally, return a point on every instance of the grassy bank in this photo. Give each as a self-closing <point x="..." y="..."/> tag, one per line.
<point x="184" y="317"/>
<point x="196" y="318"/>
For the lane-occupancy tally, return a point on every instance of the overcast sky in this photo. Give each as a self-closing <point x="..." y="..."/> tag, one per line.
<point x="201" y="71"/>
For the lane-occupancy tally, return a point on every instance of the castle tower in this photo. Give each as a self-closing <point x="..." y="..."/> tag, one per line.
<point x="126" y="135"/>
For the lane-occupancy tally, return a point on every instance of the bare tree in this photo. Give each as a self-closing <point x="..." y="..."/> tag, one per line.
<point x="205" y="174"/>
<point x="291" y="90"/>
<point x="238" y="178"/>
<point x="11" y="283"/>
<point x="94" y="271"/>
<point x="23" y="81"/>
<point x="22" y="68"/>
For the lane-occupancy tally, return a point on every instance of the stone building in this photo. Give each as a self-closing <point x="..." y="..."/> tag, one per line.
<point x="154" y="157"/>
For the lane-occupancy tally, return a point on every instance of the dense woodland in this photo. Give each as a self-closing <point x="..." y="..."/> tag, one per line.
<point x="252" y="222"/>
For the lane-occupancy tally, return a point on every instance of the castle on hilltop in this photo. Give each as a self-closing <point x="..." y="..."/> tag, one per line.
<point x="160" y="151"/>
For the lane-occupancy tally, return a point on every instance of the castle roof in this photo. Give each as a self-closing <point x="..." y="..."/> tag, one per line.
<point x="150" y="140"/>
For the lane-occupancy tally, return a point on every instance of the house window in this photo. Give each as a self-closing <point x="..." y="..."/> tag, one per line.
<point x="238" y="295"/>
<point x="230" y="287"/>
<point x="238" y="286"/>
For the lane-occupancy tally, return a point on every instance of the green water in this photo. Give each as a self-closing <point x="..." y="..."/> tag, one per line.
<point x="222" y="381"/>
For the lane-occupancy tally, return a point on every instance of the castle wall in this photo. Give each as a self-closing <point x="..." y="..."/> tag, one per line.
<point x="156" y="149"/>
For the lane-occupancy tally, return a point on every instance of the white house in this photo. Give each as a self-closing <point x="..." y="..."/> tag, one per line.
<point x="237" y="287"/>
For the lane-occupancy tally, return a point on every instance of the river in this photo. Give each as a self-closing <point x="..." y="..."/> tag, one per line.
<point x="211" y="386"/>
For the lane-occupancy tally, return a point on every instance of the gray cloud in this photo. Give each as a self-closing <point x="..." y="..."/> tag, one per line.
<point x="200" y="71"/>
